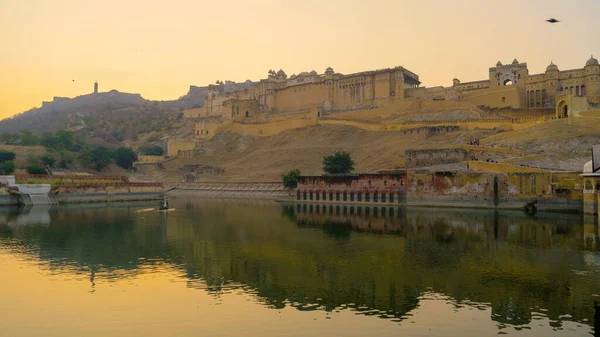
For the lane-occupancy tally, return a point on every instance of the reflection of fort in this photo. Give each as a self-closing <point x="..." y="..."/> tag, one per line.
<point x="491" y="226"/>
<point x="377" y="219"/>
<point x="474" y="257"/>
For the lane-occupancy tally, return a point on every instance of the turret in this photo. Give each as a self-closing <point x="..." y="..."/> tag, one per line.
<point x="592" y="81"/>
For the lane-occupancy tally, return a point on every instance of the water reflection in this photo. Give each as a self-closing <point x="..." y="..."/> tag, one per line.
<point x="378" y="261"/>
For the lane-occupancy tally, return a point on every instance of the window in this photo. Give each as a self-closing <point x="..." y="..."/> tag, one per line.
<point x="359" y="196"/>
<point x="304" y="195"/>
<point x="503" y="99"/>
<point x="367" y="197"/>
<point x="330" y="195"/>
<point x="375" y="196"/>
<point x="383" y="197"/>
<point x="351" y="196"/>
<point x="392" y="197"/>
<point x="317" y="195"/>
<point x="310" y="195"/>
<point x="345" y="196"/>
<point x="298" y="195"/>
<point x="324" y="196"/>
<point x="337" y="196"/>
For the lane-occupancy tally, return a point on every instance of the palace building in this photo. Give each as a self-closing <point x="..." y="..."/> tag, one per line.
<point x="507" y="86"/>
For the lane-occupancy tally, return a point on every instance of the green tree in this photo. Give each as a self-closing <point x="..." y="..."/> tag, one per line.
<point x="124" y="157"/>
<point x="65" y="160"/>
<point x="6" y="155"/>
<point x="49" y="141"/>
<point x="152" y="150"/>
<point x="9" y="138"/>
<point x="290" y="179"/>
<point x="98" y="157"/>
<point x="36" y="169"/>
<point x="65" y="138"/>
<point x="7" y="167"/>
<point x="48" y="160"/>
<point x="28" y="139"/>
<point x="338" y="163"/>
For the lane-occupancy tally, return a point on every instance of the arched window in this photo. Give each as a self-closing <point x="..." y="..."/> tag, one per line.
<point x="583" y="93"/>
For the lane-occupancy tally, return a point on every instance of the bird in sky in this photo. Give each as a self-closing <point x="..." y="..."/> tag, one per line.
<point x="73" y="80"/>
<point x="552" y="20"/>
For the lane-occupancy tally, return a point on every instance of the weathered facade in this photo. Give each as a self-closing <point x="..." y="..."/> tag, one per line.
<point x="548" y="190"/>
<point x="353" y="188"/>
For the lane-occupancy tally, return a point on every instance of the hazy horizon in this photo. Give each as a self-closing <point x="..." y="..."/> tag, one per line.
<point x="159" y="49"/>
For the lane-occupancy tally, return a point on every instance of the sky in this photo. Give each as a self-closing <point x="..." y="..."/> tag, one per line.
<point x="159" y="48"/>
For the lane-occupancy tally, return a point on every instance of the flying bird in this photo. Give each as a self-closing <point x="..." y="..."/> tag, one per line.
<point x="552" y="20"/>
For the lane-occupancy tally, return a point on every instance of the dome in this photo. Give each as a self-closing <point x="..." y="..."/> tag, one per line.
<point x="515" y="61"/>
<point x="329" y="69"/>
<point x="293" y="76"/>
<point x="499" y="64"/>
<point x="304" y="73"/>
<point x="587" y="168"/>
<point x="591" y="62"/>
<point x="552" y="67"/>
<point x="313" y="73"/>
<point x="281" y="73"/>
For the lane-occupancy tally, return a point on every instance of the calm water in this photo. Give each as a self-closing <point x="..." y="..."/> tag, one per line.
<point x="237" y="268"/>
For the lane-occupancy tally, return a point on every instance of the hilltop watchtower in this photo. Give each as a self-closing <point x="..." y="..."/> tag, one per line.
<point x="96" y="87"/>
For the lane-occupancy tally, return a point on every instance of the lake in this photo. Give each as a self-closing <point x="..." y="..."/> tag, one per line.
<point x="250" y="268"/>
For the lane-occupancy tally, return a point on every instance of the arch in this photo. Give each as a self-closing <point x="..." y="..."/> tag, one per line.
<point x="562" y="109"/>
<point x="508" y="81"/>
<point x="577" y="91"/>
<point x="583" y="93"/>
<point x="247" y="114"/>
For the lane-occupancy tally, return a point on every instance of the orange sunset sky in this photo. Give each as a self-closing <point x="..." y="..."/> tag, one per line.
<point x="158" y="48"/>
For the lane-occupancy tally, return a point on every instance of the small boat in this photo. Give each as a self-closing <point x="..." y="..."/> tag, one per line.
<point x="164" y="205"/>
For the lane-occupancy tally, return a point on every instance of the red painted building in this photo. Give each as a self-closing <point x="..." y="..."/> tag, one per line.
<point x="380" y="188"/>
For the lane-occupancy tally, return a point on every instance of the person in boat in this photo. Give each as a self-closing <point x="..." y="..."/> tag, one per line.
<point x="164" y="204"/>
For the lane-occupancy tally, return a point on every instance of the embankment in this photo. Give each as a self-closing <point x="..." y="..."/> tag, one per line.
<point x="258" y="190"/>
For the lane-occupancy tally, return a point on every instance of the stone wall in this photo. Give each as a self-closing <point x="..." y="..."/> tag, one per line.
<point x="431" y="157"/>
<point x="174" y="145"/>
<point x="426" y="131"/>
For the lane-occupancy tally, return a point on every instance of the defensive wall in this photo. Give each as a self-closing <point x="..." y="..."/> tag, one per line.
<point x="149" y="159"/>
<point x="430" y="157"/>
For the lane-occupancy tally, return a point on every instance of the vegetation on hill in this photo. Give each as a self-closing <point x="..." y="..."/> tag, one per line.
<point x="338" y="163"/>
<point x="290" y="179"/>
<point x="7" y="165"/>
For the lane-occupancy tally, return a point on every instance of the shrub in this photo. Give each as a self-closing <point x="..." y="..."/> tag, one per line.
<point x="6" y="155"/>
<point x="36" y="169"/>
<point x="7" y="167"/>
<point x="124" y="157"/>
<point x="290" y="179"/>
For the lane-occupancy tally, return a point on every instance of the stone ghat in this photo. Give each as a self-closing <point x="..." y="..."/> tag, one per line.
<point x="233" y="189"/>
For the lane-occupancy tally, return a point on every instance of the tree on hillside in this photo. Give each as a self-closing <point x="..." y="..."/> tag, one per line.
<point x="152" y="150"/>
<point x="338" y="163"/>
<point x="99" y="157"/>
<point x="48" y="160"/>
<point x="9" y="138"/>
<point x="28" y="139"/>
<point x="290" y="179"/>
<point x="6" y="155"/>
<point x="124" y="157"/>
